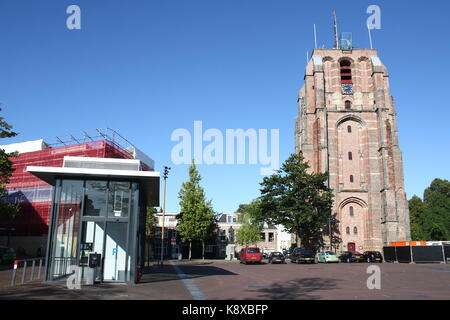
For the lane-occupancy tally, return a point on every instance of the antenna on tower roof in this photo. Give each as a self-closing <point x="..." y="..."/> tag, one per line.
<point x="336" y="39"/>
<point x="370" y="36"/>
<point x="315" y="37"/>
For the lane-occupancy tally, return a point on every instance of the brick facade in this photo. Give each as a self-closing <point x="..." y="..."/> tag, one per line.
<point x="353" y="136"/>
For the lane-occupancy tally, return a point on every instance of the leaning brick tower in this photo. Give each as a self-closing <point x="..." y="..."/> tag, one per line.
<point x="347" y="127"/>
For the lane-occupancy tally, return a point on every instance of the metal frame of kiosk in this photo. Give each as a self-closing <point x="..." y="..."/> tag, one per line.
<point x="97" y="222"/>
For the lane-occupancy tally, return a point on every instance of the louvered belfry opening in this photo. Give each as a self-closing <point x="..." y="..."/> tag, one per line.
<point x="346" y="72"/>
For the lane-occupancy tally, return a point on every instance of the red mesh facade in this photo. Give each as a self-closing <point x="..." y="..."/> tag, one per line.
<point x="35" y="210"/>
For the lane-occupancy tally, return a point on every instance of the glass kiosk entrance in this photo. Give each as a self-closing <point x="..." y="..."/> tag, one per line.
<point x="109" y="239"/>
<point x="97" y="213"/>
<point x="97" y="222"/>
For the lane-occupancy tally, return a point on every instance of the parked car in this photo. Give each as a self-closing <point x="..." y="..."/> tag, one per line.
<point x="287" y="253"/>
<point x="351" y="256"/>
<point x="250" y="255"/>
<point x="302" y="255"/>
<point x="7" y="255"/>
<point x="276" y="257"/>
<point x="373" y="256"/>
<point x="326" y="256"/>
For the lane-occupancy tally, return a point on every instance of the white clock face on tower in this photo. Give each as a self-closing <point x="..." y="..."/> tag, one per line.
<point x="347" y="88"/>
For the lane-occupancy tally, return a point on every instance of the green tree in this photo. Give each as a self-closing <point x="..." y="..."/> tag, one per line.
<point x="250" y="230"/>
<point x="416" y="214"/>
<point x="298" y="200"/>
<point x="430" y="218"/>
<point x="196" y="220"/>
<point x="6" y="169"/>
<point x="151" y="221"/>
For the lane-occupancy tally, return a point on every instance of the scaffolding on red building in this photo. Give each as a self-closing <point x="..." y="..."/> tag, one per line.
<point x="34" y="196"/>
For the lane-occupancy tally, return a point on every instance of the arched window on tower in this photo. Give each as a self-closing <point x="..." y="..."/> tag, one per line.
<point x="355" y="230"/>
<point x="350" y="156"/>
<point x="346" y="72"/>
<point x="351" y="212"/>
<point x="351" y="178"/>
<point x="348" y="105"/>
<point x="349" y="129"/>
<point x="347" y="230"/>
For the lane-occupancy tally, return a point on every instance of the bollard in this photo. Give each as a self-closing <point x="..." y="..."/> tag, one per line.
<point x="40" y="267"/>
<point x="24" y="271"/>
<point x="32" y="270"/>
<point x="13" y="280"/>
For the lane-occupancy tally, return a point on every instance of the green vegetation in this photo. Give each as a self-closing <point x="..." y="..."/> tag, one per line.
<point x="250" y="230"/>
<point x="6" y="169"/>
<point x="196" y="220"/>
<point x="298" y="200"/>
<point x="430" y="218"/>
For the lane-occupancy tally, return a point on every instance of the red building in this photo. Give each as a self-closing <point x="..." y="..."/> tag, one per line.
<point x="34" y="196"/>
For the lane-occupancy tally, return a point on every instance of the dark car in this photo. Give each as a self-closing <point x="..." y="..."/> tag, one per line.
<point x="287" y="253"/>
<point x="276" y="257"/>
<point x="303" y="255"/>
<point x="351" y="256"/>
<point x="373" y="256"/>
<point x="250" y="255"/>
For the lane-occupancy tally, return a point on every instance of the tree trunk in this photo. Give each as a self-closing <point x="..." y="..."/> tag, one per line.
<point x="190" y="245"/>
<point x="148" y="252"/>
<point x="203" y="250"/>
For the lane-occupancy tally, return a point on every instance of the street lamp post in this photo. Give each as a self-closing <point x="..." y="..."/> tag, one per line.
<point x="330" y="221"/>
<point x="166" y="173"/>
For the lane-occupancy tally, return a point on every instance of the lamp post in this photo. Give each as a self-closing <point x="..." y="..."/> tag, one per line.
<point x="331" y="220"/>
<point x="231" y="241"/>
<point x="166" y="173"/>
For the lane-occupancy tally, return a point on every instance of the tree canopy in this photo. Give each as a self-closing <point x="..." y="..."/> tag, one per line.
<point x="196" y="220"/>
<point x="430" y="218"/>
<point x="250" y="230"/>
<point x="298" y="200"/>
<point x="6" y="168"/>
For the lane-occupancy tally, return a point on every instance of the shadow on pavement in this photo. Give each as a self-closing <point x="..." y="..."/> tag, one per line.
<point x="307" y="289"/>
<point x="167" y="272"/>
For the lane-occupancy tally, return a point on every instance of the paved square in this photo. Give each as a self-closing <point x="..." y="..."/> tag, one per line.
<point x="225" y="280"/>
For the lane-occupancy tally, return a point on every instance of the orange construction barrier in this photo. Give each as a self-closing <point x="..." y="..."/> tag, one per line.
<point x="408" y="243"/>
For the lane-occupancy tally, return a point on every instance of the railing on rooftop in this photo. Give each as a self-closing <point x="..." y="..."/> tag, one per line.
<point x="108" y="134"/>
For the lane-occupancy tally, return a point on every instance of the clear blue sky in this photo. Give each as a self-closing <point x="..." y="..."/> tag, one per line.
<point x="146" y="68"/>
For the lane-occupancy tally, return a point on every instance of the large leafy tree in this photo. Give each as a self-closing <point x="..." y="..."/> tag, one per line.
<point x="430" y="218"/>
<point x="6" y="169"/>
<point x="298" y="200"/>
<point x="196" y="220"/>
<point x="250" y="230"/>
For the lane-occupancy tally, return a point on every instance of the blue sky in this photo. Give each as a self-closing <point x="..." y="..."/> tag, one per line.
<point x="146" y="68"/>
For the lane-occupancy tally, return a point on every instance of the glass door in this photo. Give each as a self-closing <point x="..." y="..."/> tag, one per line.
<point x="115" y="265"/>
<point x="92" y="240"/>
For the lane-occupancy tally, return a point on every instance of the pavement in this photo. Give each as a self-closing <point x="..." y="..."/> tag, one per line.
<point x="229" y="280"/>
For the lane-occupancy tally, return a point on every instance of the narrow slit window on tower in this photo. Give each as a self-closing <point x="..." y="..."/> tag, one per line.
<point x="347" y="230"/>
<point x="355" y="230"/>
<point x="350" y="156"/>
<point x="349" y="129"/>
<point x="348" y="105"/>
<point x="351" y="212"/>
<point x="346" y="72"/>
<point x="351" y="178"/>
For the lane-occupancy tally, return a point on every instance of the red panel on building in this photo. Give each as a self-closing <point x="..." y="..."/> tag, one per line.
<point x="34" y="195"/>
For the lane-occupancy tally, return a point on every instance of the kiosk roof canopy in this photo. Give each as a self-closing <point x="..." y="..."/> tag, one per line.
<point x="149" y="180"/>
